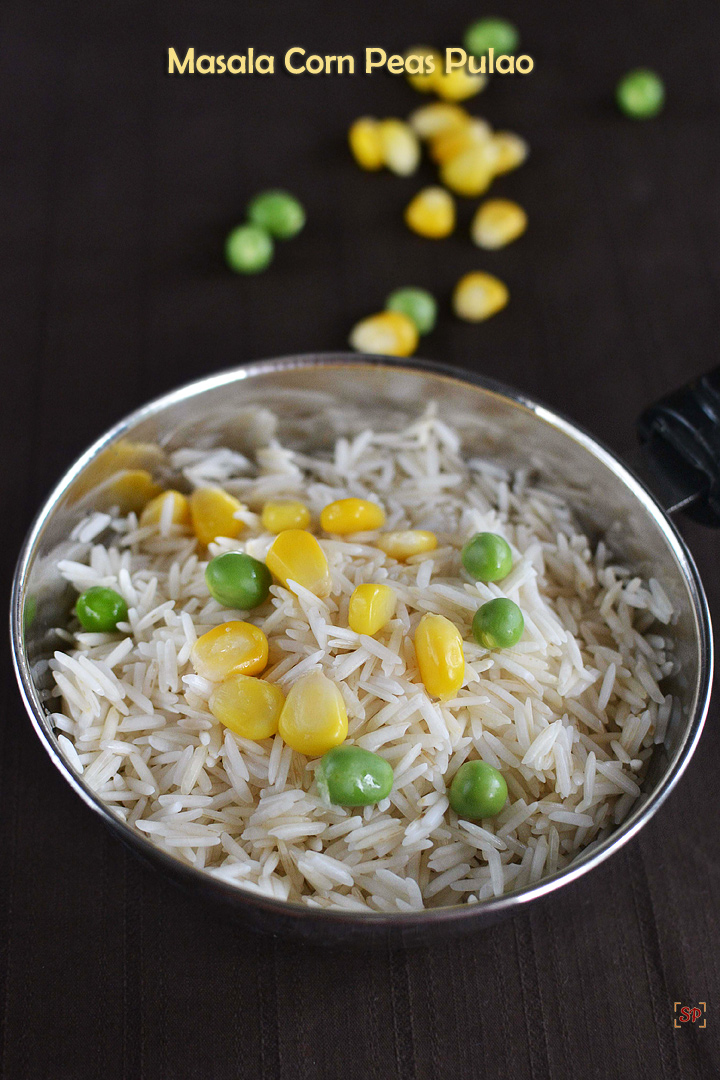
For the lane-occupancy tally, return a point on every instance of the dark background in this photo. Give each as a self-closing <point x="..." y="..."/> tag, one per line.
<point x="118" y="186"/>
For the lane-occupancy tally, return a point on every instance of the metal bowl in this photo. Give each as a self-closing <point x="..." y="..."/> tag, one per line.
<point x="315" y="398"/>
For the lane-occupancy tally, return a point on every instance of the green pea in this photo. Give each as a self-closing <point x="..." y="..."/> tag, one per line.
<point x="277" y="212"/>
<point x="499" y="624"/>
<point x="248" y="249"/>
<point x="640" y="94"/>
<point x="492" y="33"/>
<point x="419" y="305"/>
<point x="487" y="557"/>
<point x="29" y="611"/>
<point x="101" y="609"/>
<point x="352" y="776"/>
<point x="236" y="580"/>
<point x="478" y="791"/>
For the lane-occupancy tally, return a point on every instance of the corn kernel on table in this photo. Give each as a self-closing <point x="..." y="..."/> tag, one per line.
<point x="119" y="186"/>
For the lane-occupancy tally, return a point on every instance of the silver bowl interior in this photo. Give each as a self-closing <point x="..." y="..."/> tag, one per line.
<point x="306" y="402"/>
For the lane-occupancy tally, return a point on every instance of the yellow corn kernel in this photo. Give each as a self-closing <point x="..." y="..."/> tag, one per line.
<point x="510" y="151"/>
<point x="212" y="511"/>
<point x="390" y="333"/>
<point x="365" y="143"/>
<point x="127" y="454"/>
<point x="400" y="148"/>
<point x="370" y="608"/>
<point x="351" y="516"/>
<point x="101" y="473"/>
<point x="233" y="648"/>
<point x="133" y="489"/>
<point x="439" y="652"/>
<point x="448" y="144"/>
<point x="477" y="296"/>
<point x="179" y="514"/>
<point x="431" y="213"/>
<point x="471" y="172"/>
<point x="250" y="707"/>
<point x="313" y="718"/>
<point x="405" y="543"/>
<point x="423" y="81"/>
<point x="430" y="120"/>
<point x="458" y="84"/>
<point x="281" y="514"/>
<point x="497" y="222"/>
<point x="295" y="555"/>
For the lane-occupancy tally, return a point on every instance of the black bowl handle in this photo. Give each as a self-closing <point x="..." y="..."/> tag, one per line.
<point x="681" y="436"/>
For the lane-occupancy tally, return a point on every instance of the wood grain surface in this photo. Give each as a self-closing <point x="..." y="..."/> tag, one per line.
<point x="118" y="184"/>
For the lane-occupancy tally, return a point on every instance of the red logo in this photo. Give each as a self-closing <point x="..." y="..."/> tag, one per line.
<point x="689" y="1014"/>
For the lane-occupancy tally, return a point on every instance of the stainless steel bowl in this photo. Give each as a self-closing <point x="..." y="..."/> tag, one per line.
<point x="314" y="398"/>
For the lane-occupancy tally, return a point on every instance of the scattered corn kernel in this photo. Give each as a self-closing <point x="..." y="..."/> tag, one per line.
<point x="389" y="333"/>
<point x="250" y="707"/>
<point x="510" y="151"/>
<point x="129" y="454"/>
<point x="351" y="516"/>
<point x="115" y="460"/>
<point x="439" y="652"/>
<point x="370" y="608"/>
<point x="431" y="213"/>
<point x="478" y="295"/>
<point x="448" y="144"/>
<point x="458" y="84"/>
<point x="233" y="648"/>
<point x="179" y="513"/>
<point x="213" y="514"/>
<point x="400" y="148"/>
<point x="430" y="120"/>
<point x="313" y="718"/>
<point x="365" y="143"/>
<point x="423" y="80"/>
<point x="281" y="514"/>
<point x="497" y="222"/>
<point x="132" y="489"/>
<point x="405" y="543"/>
<point x="296" y="556"/>
<point x="471" y="172"/>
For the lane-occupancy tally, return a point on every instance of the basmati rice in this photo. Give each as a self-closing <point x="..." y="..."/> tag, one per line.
<point x="570" y="715"/>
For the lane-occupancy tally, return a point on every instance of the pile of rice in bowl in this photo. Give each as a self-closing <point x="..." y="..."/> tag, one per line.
<point x="569" y="715"/>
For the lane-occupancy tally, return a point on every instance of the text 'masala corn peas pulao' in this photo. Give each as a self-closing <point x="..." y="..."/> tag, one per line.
<point x="318" y="744"/>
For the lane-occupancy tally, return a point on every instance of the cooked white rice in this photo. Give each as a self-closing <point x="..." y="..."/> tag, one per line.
<point x="569" y="715"/>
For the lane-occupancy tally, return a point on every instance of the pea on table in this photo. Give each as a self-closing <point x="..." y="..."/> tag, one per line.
<point x="272" y="215"/>
<point x="249" y="249"/>
<point x="418" y="304"/>
<point x="491" y="33"/>
<point x="278" y="213"/>
<point x="640" y="94"/>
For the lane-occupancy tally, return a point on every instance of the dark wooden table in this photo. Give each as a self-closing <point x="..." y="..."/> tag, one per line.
<point x="118" y="186"/>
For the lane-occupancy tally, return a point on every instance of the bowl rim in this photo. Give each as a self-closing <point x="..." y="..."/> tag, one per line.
<point x="494" y="907"/>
